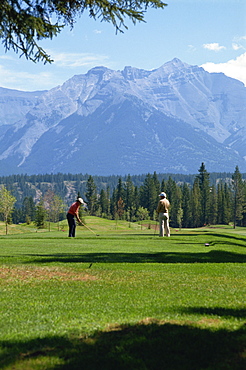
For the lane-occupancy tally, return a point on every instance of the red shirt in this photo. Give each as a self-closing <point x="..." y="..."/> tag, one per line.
<point x="74" y="208"/>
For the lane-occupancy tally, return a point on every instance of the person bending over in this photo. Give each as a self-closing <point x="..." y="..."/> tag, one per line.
<point x="73" y="213"/>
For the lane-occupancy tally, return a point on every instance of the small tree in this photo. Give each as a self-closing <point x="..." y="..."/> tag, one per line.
<point x="120" y="208"/>
<point x="48" y="202"/>
<point x="57" y="207"/>
<point x="40" y="215"/>
<point x="142" y="214"/>
<point x="7" y="202"/>
<point x="180" y="217"/>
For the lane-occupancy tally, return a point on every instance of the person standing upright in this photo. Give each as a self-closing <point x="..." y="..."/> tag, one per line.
<point x="162" y="210"/>
<point x="73" y="212"/>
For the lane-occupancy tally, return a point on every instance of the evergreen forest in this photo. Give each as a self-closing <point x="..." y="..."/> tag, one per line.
<point x="196" y="200"/>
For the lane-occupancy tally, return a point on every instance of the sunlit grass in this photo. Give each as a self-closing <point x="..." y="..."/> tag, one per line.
<point x="125" y="299"/>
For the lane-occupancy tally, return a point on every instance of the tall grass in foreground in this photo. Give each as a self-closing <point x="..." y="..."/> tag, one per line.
<point x="124" y="300"/>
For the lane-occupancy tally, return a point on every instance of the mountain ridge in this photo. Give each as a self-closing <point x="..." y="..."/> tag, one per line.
<point x="117" y="122"/>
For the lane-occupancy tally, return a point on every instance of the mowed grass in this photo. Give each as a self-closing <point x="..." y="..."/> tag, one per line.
<point x="125" y="299"/>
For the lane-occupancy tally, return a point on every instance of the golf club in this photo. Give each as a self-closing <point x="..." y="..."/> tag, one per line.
<point x="89" y="228"/>
<point x="155" y="227"/>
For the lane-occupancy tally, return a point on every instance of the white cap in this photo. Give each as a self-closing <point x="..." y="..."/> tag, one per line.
<point x="80" y="200"/>
<point x="162" y="194"/>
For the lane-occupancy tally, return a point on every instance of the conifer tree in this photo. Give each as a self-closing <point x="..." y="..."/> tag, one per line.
<point x="196" y="210"/>
<point x="203" y="181"/>
<point x="228" y="209"/>
<point x="186" y="206"/>
<point x="175" y="198"/>
<point x="212" y="206"/>
<point x="120" y="191"/>
<point x="244" y="205"/>
<point x="156" y="183"/>
<point x="40" y="215"/>
<point x="102" y="201"/>
<point x="149" y="194"/>
<point x="120" y="209"/>
<point x="136" y="203"/>
<point x="91" y="195"/>
<point x="163" y="186"/>
<point x="220" y="203"/>
<point x="130" y="204"/>
<point x="224" y="206"/>
<point x="81" y="211"/>
<point x="28" y="209"/>
<point x="108" y="201"/>
<point x="237" y="185"/>
<point x="113" y="204"/>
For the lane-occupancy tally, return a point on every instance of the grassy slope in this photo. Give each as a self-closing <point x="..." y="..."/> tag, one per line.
<point x="126" y="299"/>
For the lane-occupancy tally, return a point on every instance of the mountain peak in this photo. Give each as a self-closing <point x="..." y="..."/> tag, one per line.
<point x="98" y="70"/>
<point x="132" y="73"/>
<point x="175" y="64"/>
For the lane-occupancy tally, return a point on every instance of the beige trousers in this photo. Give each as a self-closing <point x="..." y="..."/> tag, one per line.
<point x="164" y="224"/>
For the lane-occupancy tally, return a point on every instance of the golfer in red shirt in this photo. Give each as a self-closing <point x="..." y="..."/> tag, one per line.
<point x="74" y="212"/>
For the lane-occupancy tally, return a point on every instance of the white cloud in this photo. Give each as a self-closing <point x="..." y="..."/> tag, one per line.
<point x="6" y="57"/>
<point x="215" y="46"/>
<point x="235" y="68"/>
<point x="239" y="43"/>
<point x="77" y="59"/>
<point x="236" y="46"/>
<point x="191" y="48"/>
<point x="41" y="77"/>
<point x="25" y="81"/>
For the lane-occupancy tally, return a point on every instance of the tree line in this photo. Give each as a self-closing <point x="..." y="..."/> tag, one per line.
<point x="196" y="200"/>
<point x="192" y="205"/>
<point x="68" y="185"/>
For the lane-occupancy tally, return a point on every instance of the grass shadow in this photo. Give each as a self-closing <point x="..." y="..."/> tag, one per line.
<point x="164" y="257"/>
<point x="149" y="345"/>
<point x="230" y="236"/>
<point x="216" y="311"/>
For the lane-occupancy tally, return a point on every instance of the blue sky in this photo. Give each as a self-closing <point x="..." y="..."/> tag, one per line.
<point x="208" y="33"/>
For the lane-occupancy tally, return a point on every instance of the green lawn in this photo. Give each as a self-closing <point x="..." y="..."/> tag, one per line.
<point x="125" y="299"/>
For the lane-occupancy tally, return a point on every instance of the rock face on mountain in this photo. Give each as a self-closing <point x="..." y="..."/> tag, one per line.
<point x="14" y="105"/>
<point x="132" y="121"/>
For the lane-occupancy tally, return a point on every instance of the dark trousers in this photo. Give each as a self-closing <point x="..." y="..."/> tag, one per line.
<point x="71" y="224"/>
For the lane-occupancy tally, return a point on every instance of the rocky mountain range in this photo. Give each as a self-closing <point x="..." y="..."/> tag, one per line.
<point x="126" y="122"/>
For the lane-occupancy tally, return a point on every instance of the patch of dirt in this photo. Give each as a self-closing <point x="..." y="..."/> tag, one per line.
<point x="209" y="321"/>
<point x="37" y="273"/>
